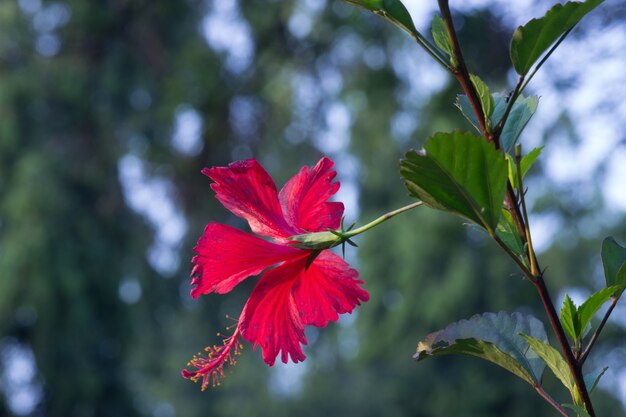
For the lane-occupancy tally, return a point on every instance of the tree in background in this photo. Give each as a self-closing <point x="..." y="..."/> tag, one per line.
<point x="94" y="105"/>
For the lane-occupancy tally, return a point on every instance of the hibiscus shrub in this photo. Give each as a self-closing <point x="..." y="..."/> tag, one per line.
<point x="478" y="176"/>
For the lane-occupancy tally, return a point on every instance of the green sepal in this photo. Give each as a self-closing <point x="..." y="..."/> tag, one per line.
<point x="317" y="240"/>
<point x="534" y="38"/>
<point x="311" y="258"/>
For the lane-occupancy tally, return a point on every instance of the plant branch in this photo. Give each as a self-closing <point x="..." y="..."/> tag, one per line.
<point x="431" y="49"/>
<point x="532" y="257"/>
<point x="550" y="400"/>
<point x="424" y="43"/>
<point x="596" y="334"/>
<point x="421" y="40"/>
<point x="513" y="256"/>
<point x="574" y="365"/>
<point x="535" y="276"/>
<point x="514" y="209"/>
<point x="461" y="73"/>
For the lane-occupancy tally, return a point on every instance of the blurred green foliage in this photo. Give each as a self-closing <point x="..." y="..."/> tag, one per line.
<point x="84" y="86"/>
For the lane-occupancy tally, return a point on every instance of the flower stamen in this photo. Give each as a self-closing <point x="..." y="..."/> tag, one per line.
<point x="210" y="365"/>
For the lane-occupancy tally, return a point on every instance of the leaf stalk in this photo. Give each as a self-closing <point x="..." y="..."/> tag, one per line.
<point x="596" y="334"/>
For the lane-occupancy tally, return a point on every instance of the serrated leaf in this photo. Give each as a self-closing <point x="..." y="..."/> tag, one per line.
<point x="534" y="38"/>
<point x="484" y="95"/>
<point x="394" y="10"/>
<point x="591" y="380"/>
<point x="614" y="262"/>
<point x="507" y="232"/>
<point x="525" y="164"/>
<point x="440" y="36"/>
<point x="569" y="318"/>
<point x="493" y="337"/>
<point x="529" y="160"/>
<point x="460" y="173"/>
<point x="463" y="104"/>
<point x="579" y="409"/>
<point x="510" y="160"/>
<point x="593" y="303"/>
<point x="519" y="116"/>
<point x="554" y="360"/>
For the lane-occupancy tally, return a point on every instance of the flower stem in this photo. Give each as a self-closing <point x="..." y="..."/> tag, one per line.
<point x="381" y="219"/>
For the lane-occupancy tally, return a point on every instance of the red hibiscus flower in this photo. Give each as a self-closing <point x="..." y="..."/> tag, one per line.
<point x="300" y="286"/>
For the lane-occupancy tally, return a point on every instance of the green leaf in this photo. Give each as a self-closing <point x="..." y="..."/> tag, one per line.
<point x="578" y="409"/>
<point x="621" y="277"/>
<point x="507" y="232"/>
<point x="521" y="112"/>
<point x="529" y="160"/>
<point x="554" y="360"/>
<point x="460" y="173"/>
<point x="486" y="100"/>
<point x="392" y="10"/>
<point x="614" y="261"/>
<point x="440" y="36"/>
<point x="570" y="319"/>
<point x="463" y="104"/>
<point x="493" y="337"/>
<point x="525" y="164"/>
<point x="510" y="159"/>
<point x="592" y="304"/>
<point x="591" y="380"/>
<point x="530" y="41"/>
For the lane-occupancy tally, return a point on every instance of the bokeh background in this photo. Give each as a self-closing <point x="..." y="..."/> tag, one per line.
<point x="109" y="110"/>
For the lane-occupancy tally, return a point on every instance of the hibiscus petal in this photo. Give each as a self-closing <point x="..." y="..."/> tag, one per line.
<point x="227" y="256"/>
<point x="305" y="198"/>
<point x="270" y="318"/>
<point x="247" y="190"/>
<point x="326" y="289"/>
